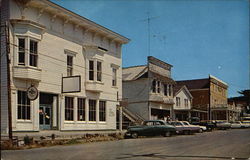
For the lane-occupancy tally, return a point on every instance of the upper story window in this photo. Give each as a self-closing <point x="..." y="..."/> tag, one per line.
<point x="165" y="89"/>
<point x="154" y="86"/>
<point x="169" y="90"/>
<point x="114" y="76"/>
<point x="95" y="70"/>
<point x="99" y="71"/>
<point x="21" y="51"/>
<point x="158" y="86"/>
<point x="91" y="70"/>
<point x="186" y="102"/>
<point x="178" y="101"/>
<point x="32" y="52"/>
<point x="69" y="65"/>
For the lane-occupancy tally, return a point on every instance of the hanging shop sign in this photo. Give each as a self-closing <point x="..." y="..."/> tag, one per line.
<point x="32" y="93"/>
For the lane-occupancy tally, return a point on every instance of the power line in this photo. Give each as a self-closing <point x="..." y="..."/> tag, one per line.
<point x="47" y="56"/>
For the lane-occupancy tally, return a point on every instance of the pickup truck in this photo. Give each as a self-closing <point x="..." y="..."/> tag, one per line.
<point x="150" y="128"/>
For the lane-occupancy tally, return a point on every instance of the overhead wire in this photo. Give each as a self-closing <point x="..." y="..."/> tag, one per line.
<point x="65" y="62"/>
<point x="80" y="71"/>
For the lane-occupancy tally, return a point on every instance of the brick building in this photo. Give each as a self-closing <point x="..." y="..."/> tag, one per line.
<point x="210" y="99"/>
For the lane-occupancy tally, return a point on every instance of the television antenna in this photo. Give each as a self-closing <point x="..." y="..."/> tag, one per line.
<point x="148" y="19"/>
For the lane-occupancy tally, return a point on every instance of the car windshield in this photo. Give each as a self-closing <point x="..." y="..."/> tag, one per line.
<point x="149" y="123"/>
<point x="185" y="123"/>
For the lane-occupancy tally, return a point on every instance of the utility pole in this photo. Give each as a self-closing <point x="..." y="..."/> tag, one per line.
<point x="8" y="79"/>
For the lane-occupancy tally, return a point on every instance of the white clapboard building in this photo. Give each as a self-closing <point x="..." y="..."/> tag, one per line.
<point x="65" y="70"/>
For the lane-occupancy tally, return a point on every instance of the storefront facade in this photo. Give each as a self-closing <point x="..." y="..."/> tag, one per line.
<point x="49" y="44"/>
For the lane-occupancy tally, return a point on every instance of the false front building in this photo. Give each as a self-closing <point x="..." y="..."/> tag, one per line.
<point x="70" y="65"/>
<point x="210" y="99"/>
<point x="148" y="89"/>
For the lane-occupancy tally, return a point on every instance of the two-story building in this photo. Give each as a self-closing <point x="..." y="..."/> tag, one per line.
<point x="65" y="70"/>
<point x="210" y="98"/>
<point x="182" y="103"/>
<point x="148" y="89"/>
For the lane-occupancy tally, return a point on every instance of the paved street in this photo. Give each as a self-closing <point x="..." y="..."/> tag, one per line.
<point x="210" y="145"/>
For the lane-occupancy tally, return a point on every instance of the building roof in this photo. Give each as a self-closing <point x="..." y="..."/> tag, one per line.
<point x="177" y="88"/>
<point x="59" y="11"/>
<point x="132" y="73"/>
<point x="162" y="78"/>
<point x="195" y="83"/>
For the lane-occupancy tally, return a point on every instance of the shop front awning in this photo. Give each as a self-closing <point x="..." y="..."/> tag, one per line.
<point x="198" y="110"/>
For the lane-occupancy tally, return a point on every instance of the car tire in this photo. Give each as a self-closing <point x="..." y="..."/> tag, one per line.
<point x="201" y="130"/>
<point x="167" y="134"/>
<point x="134" y="135"/>
<point x="186" y="132"/>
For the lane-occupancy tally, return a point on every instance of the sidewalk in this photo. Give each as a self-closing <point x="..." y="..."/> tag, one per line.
<point x="63" y="134"/>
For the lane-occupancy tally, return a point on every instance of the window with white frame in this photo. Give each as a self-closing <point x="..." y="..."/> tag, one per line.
<point x="91" y="70"/>
<point x="33" y="53"/>
<point x="186" y="102"/>
<point x="23" y="106"/>
<point x="102" y="111"/>
<point x="81" y="109"/>
<point x="69" y="108"/>
<point x="21" y="51"/>
<point x="178" y="101"/>
<point x="114" y="77"/>
<point x="92" y="110"/>
<point x="69" y="65"/>
<point x="99" y="71"/>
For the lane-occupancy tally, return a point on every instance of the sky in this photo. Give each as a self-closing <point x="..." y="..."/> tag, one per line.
<point x="197" y="37"/>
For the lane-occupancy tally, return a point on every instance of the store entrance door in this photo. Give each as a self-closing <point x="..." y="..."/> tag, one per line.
<point x="45" y="116"/>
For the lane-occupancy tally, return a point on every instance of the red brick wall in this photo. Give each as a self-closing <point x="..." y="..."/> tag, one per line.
<point x="200" y="98"/>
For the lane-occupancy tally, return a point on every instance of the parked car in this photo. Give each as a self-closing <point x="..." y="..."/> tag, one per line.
<point x="201" y="128"/>
<point x="236" y="124"/>
<point x="245" y="124"/>
<point x="184" y="129"/>
<point x="151" y="128"/>
<point x="195" y="128"/>
<point x="222" y="125"/>
<point x="208" y="124"/>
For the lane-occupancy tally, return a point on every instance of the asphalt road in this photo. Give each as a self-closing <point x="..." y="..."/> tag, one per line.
<point x="231" y="144"/>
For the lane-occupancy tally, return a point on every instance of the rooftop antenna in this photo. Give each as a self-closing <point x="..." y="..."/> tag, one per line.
<point x="148" y="19"/>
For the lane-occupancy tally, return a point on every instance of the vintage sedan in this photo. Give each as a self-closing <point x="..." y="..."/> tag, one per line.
<point x="150" y="128"/>
<point x="183" y="128"/>
<point x="236" y="124"/>
<point x="245" y="124"/>
<point x="201" y="128"/>
<point x="208" y="124"/>
<point x="222" y="125"/>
